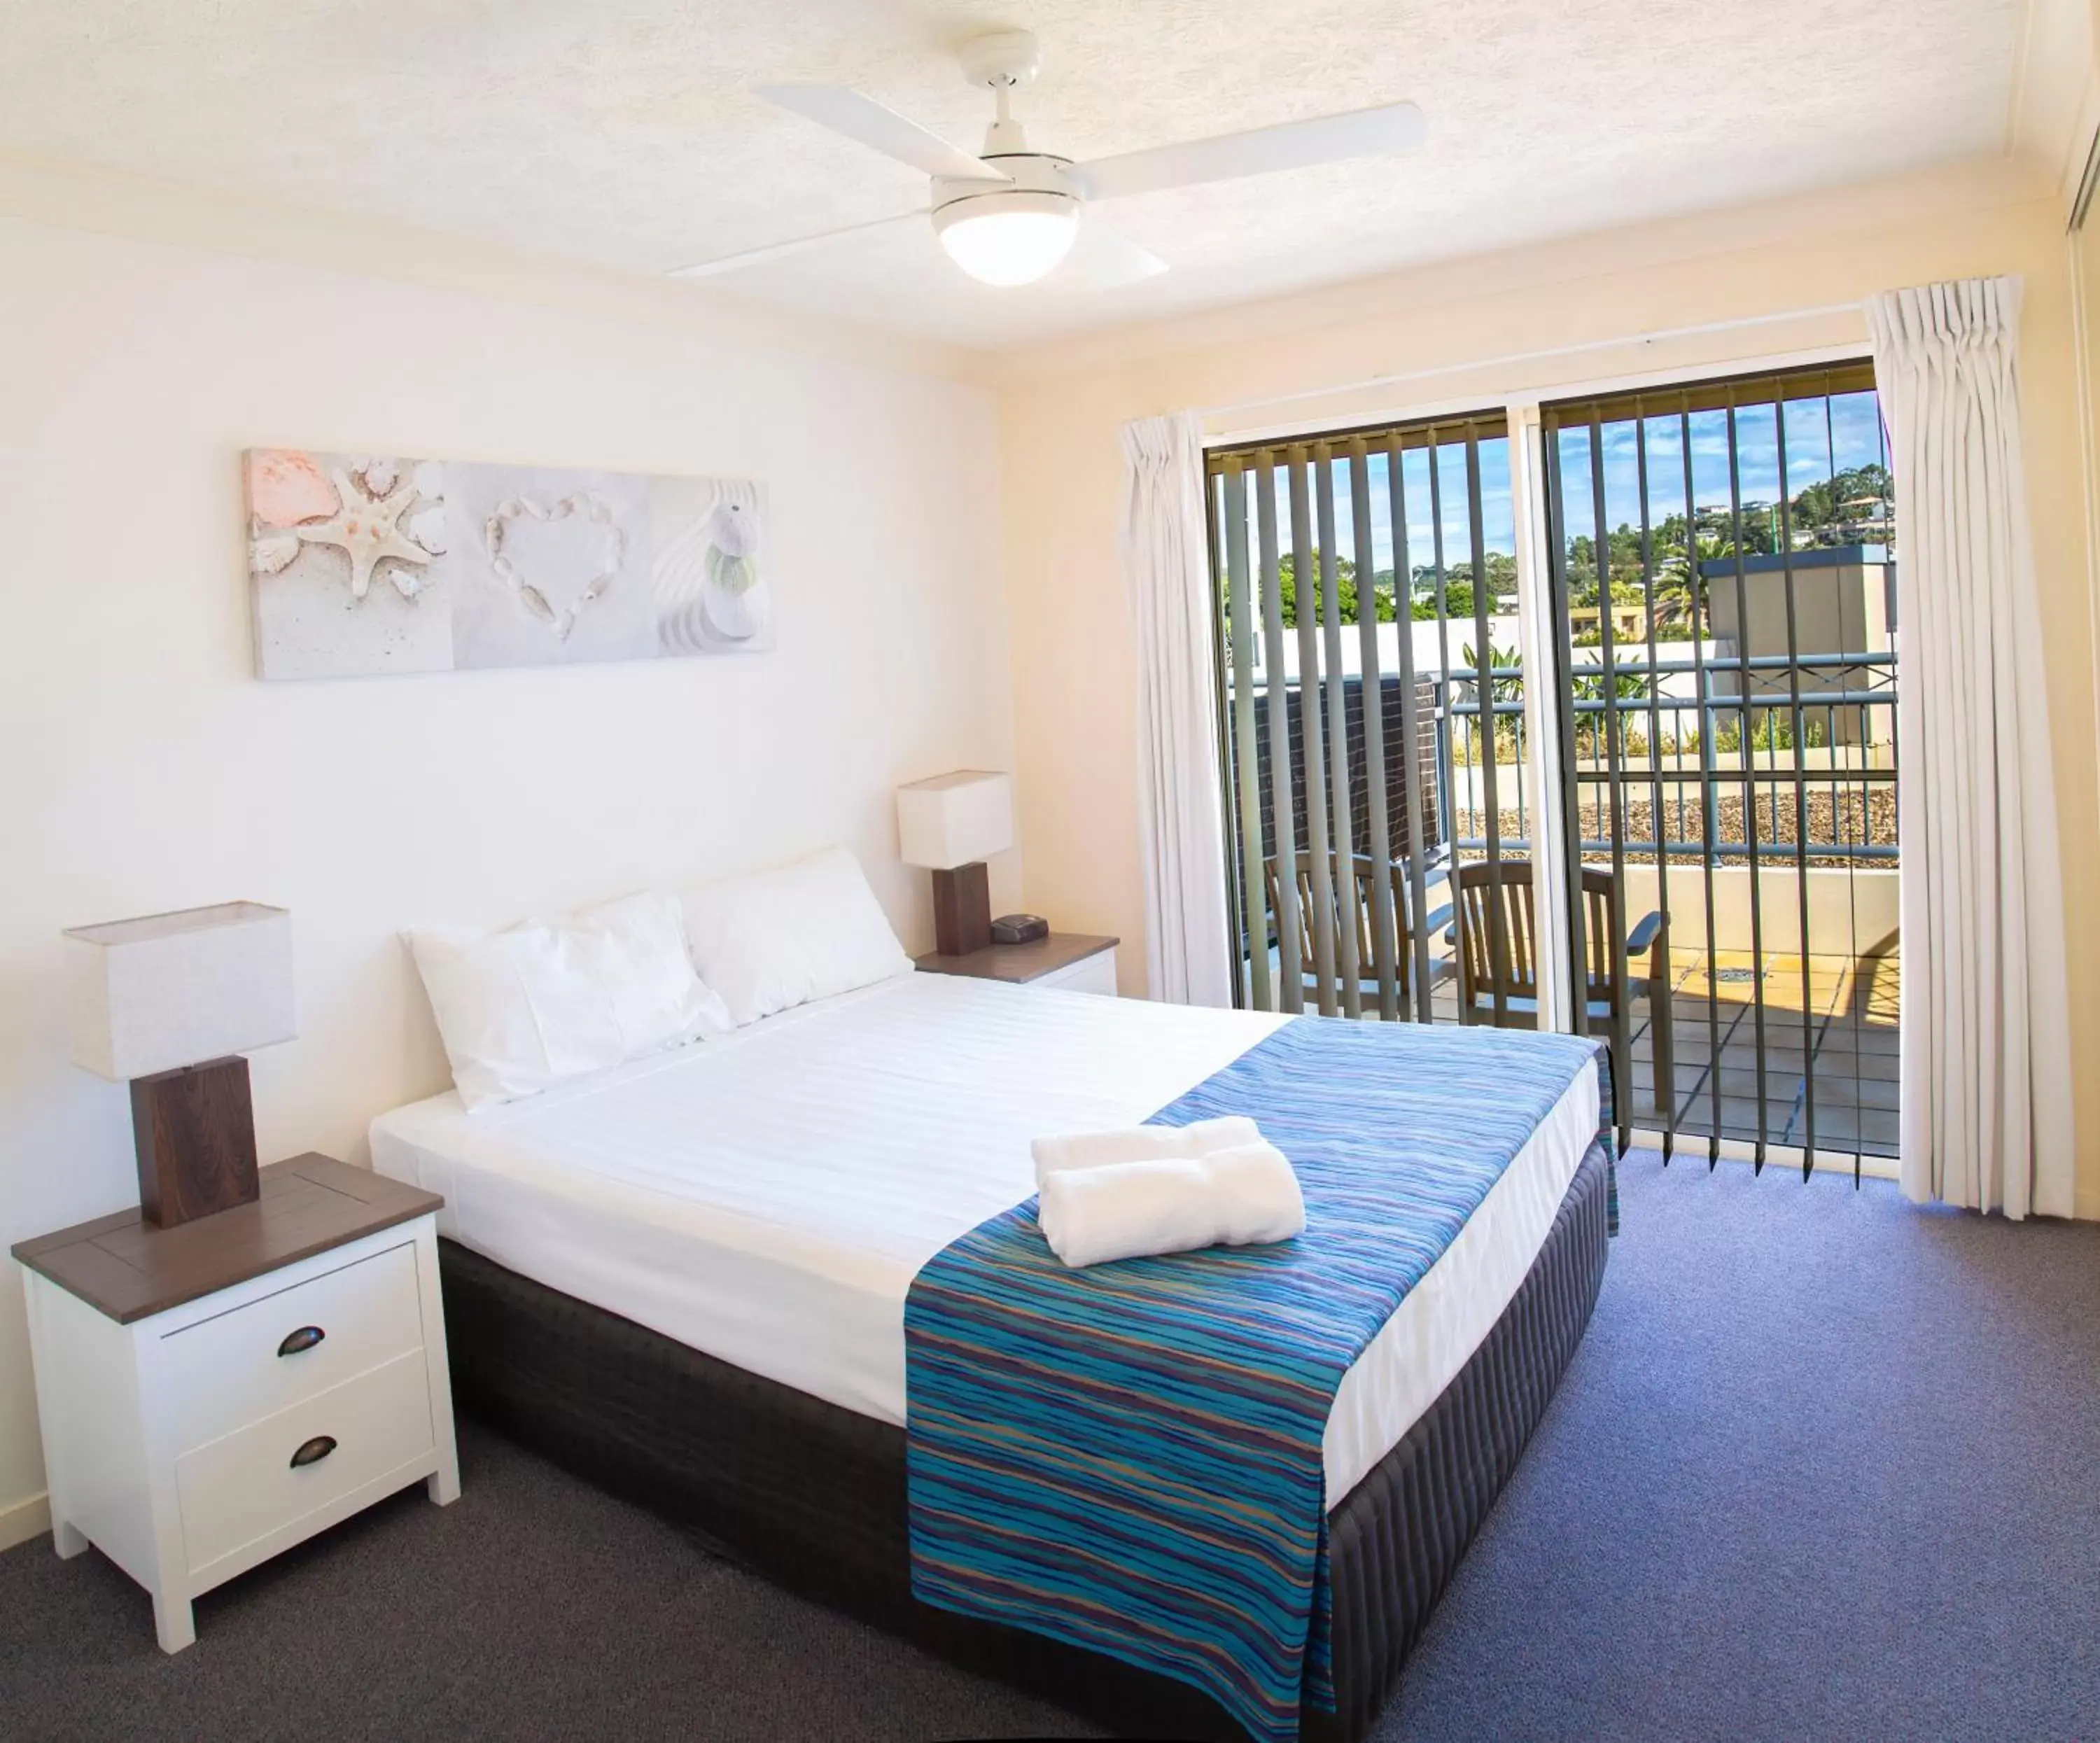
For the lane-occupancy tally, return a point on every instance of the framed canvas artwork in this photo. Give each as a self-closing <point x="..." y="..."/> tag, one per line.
<point x="369" y="563"/>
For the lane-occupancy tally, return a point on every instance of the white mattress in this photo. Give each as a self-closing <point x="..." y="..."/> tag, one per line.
<point x="767" y="1196"/>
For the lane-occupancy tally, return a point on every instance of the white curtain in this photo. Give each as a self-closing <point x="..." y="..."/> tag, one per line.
<point x="1166" y="571"/>
<point x="1985" y="1112"/>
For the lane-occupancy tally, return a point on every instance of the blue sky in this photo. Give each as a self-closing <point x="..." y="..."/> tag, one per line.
<point x="1823" y="435"/>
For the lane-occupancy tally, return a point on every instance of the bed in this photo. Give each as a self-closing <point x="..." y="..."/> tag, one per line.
<point x="687" y="1276"/>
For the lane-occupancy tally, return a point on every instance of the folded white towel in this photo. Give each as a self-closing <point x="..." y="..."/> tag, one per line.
<point x="1099" y="1150"/>
<point x="1231" y="1197"/>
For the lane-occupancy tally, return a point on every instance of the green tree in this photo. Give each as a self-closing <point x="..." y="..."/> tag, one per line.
<point x="1848" y="508"/>
<point x="1345" y="600"/>
<point x="1457" y="601"/>
<point x="1672" y="563"/>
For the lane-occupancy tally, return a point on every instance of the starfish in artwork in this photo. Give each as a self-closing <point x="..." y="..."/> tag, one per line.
<point x="367" y="531"/>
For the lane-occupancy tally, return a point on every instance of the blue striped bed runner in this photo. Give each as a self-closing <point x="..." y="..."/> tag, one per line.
<point x="1129" y="1457"/>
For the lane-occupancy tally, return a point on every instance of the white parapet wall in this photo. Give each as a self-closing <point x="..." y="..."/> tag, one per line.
<point x="1851" y="913"/>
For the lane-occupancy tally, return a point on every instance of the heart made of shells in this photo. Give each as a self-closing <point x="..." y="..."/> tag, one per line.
<point x="579" y="506"/>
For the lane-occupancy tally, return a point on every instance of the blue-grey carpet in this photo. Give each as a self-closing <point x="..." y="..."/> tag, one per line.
<point x="1826" y="1465"/>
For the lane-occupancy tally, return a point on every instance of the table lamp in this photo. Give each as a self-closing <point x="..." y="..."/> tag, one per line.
<point x="951" y="824"/>
<point x="169" y="1003"/>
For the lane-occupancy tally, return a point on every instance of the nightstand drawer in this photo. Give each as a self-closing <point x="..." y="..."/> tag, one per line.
<point x="226" y="1372"/>
<point x="1095" y="973"/>
<point x="246" y="1486"/>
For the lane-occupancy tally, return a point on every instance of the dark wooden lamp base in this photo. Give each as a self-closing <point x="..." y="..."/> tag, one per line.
<point x="962" y="909"/>
<point x="194" y="1131"/>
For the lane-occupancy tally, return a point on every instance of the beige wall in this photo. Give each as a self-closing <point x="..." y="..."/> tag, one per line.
<point x="1075" y="680"/>
<point x="147" y="770"/>
<point x="2085" y="264"/>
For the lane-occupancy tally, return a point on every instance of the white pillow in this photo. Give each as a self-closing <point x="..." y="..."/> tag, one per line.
<point x="777" y="939"/>
<point x="521" y="1009"/>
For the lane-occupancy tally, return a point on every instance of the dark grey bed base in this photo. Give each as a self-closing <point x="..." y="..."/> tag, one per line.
<point x="813" y="1496"/>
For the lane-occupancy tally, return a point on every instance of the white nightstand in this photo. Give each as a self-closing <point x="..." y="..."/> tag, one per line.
<point x="213" y="1394"/>
<point x="1077" y="962"/>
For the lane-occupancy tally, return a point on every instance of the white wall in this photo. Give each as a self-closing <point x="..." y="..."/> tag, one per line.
<point x="146" y="770"/>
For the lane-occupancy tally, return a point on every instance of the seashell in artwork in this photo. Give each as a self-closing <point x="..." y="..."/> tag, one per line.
<point x="272" y="553"/>
<point x="735" y="615"/>
<point x="732" y="562"/>
<point x="733" y="530"/>
<point x="426" y="526"/>
<point x="710" y="583"/>
<point x="732" y="573"/>
<point x="379" y="477"/>
<point x="285" y="488"/>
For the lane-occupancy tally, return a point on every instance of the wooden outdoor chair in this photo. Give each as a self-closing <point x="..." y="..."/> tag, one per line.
<point x="1608" y="1001"/>
<point x="1365" y="870"/>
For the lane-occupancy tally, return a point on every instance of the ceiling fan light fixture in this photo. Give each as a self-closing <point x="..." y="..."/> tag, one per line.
<point x="1012" y="236"/>
<point x="1010" y="215"/>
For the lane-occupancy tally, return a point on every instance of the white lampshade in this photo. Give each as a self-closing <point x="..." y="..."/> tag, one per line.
<point x="170" y="990"/>
<point x="953" y="819"/>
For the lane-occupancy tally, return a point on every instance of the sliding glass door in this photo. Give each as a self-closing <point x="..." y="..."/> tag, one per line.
<point x="1371" y="709"/>
<point x="1723" y="593"/>
<point x="1714" y="894"/>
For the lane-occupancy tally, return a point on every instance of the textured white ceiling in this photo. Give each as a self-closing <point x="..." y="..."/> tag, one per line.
<point x="619" y="131"/>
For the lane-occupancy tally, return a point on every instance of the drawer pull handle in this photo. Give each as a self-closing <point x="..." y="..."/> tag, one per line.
<point x="314" y="1451"/>
<point x="305" y="1338"/>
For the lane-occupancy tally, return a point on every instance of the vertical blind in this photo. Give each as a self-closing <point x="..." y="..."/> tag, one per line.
<point x="1362" y="750"/>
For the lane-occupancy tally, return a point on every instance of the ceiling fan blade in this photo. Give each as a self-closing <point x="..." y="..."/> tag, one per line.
<point x="1295" y="145"/>
<point x="754" y="256"/>
<point x="1103" y="256"/>
<point x="844" y="110"/>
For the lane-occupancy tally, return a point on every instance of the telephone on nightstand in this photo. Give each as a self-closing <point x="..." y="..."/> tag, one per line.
<point x="1019" y="929"/>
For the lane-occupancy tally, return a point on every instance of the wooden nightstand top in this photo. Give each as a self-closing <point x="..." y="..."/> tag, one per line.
<point x="1020" y="962"/>
<point x="123" y="1266"/>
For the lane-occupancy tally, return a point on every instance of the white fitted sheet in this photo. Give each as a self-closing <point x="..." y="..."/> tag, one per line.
<point x="767" y="1196"/>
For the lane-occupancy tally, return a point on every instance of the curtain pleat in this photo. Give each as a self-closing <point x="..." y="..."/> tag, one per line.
<point x="1167" y="570"/>
<point x="1986" y="1118"/>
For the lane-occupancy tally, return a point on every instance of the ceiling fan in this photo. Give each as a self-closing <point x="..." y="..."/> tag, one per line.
<point x="1012" y="215"/>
